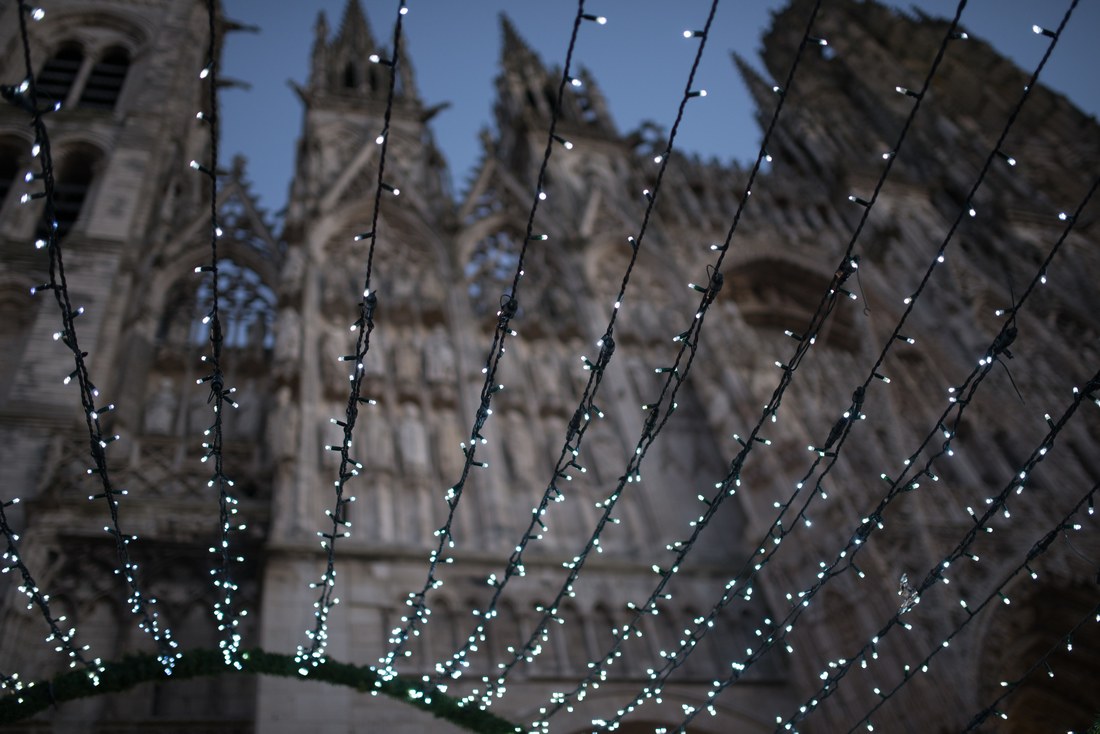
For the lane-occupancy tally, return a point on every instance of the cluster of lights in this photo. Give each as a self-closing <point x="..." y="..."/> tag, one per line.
<point x="938" y="574"/>
<point x="998" y="594"/>
<point x="726" y="487"/>
<point x="25" y="96"/>
<point x="708" y="622"/>
<point x="874" y="519"/>
<point x="311" y="656"/>
<point x="226" y="614"/>
<point x="736" y="588"/>
<point x="411" y="622"/>
<point x="570" y="451"/>
<point x="61" y="638"/>
<point x="1009" y="686"/>
<point x="656" y="419"/>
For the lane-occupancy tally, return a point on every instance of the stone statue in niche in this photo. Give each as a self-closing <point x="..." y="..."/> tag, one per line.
<point x="160" y="408"/>
<point x="290" y="278"/>
<point x="546" y="373"/>
<point x="374" y="363"/>
<point x="449" y="438"/>
<point x="407" y="364"/>
<point x="337" y="292"/>
<point x="413" y="441"/>
<point x="288" y="336"/>
<point x="439" y="357"/>
<point x="603" y="454"/>
<point x="431" y="291"/>
<point x="522" y="450"/>
<point x="285" y="426"/>
<point x="247" y="417"/>
<point x="379" y="440"/>
<point x="336" y="344"/>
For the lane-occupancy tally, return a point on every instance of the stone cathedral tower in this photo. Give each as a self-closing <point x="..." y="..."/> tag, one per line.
<point x="133" y="219"/>
<point x="135" y="225"/>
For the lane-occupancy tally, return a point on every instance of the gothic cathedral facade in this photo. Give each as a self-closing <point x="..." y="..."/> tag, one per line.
<point x="134" y="223"/>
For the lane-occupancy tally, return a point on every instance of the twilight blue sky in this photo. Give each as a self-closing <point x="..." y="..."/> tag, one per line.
<point x="640" y="60"/>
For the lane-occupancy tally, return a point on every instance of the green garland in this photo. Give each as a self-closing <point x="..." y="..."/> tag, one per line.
<point x="135" y="669"/>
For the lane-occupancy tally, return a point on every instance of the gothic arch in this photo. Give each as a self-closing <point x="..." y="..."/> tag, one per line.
<point x="95" y="31"/>
<point x="774" y="293"/>
<point x="90" y="55"/>
<point x="104" y="84"/>
<point x="655" y="283"/>
<point x="77" y="171"/>
<point x="1058" y="698"/>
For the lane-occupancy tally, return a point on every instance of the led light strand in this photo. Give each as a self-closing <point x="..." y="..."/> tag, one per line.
<point x="727" y="486"/>
<point x="585" y="410"/>
<point x="870" y="521"/>
<point x="140" y="605"/>
<point x="688" y="338"/>
<point x="63" y="638"/>
<point x="785" y="626"/>
<point x="1010" y="686"/>
<point x="226" y="615"/>
<point x="1040" y="547"/>
<point x="775" y="535"/>
<point x="509" y="305"/>
<point x="136" y="669"/>
<point x="656" y="416"/>
<point x="312" y="656"/>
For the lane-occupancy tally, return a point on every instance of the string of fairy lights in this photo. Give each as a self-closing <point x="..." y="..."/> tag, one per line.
<point x="938" y="573"/>
<point x="998" y="594"/>
<point x="1064" y="642"/>
<point x="363" y="327"/>
<point x="658" y="412"/>
<point x="312" y="656"/>
<point x="778" y="532"/>
<point x="227" y="616"/>
<point x="727" y="487"/>
<point x="509" y="305"/>
<point x="961" y="398"/>
<point x="61" y="637"/>
<point x="25" y="95"/>
<point x="597" y="667"/>
<point x="578" y="425"/>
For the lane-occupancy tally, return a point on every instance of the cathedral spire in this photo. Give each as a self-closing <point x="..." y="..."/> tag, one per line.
<point x="320" y="47"/>
<point x="342" y="66"/>
<point x="515" y="54"/>
<point x="527" y="93"/>
<point x="763" y="93"/>
<point x="354" y="29"/>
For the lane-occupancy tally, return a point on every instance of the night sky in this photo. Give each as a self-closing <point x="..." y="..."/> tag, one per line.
<point x="640" y="60"/>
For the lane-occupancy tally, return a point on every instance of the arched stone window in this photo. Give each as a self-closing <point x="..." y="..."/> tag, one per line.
<point x="245" y="303"/>
<point x="490" y="268"/>
<point x="104" y="84"/>
<point x="71" y="184"/>
<point x="351" y="76"/>
<point x="59" y="73"/>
